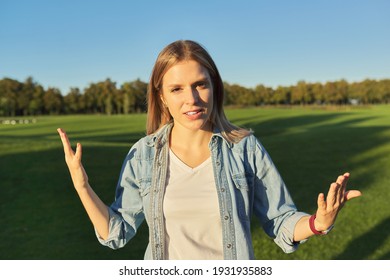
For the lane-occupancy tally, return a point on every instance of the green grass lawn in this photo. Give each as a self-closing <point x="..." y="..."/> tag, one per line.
<point x="41" y="216"/>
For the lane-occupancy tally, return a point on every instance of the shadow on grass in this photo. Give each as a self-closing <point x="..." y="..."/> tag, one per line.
<point x="79" y="137"/>
<point x="42" y="217"/>
<point x="311" y="151"/>
<point x="373" y="240"/>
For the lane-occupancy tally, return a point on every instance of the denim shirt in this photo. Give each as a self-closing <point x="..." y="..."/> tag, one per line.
<point x="247" y="183"/>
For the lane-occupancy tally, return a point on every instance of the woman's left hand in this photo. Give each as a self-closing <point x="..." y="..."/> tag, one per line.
<point x="329" y="208"/>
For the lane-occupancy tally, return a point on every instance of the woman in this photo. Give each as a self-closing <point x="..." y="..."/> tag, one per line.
<point x="196" y="178"/>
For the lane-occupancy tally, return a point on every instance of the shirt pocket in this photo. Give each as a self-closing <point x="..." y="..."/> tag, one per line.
<point x="241" y="192"/>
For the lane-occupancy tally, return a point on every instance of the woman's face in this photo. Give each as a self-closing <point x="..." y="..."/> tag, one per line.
<point x="188" y="94"/>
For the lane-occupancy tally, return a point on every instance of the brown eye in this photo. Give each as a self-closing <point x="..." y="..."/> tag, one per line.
<point x="201" y="85"/>
<point x="176" y="89"/>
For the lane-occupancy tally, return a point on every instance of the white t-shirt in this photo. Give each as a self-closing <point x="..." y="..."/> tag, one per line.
<point x="191" y="210"/>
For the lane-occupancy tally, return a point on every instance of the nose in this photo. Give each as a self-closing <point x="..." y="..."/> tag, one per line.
<point x="192" y="96"/>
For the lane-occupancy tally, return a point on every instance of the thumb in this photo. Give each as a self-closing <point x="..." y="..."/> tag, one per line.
<point x="352" y="194"/>
<point x="321" y="203"/>
<point x="79" y="151"/>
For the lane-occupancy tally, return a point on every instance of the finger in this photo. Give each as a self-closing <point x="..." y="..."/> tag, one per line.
<point x="79" y="151"/>
<point x="352" y="194"/>
<point x="321" y="202"/>
<point x="331" y="198"/>
<point x="342" y="181"/>
<point x="340" y="188"/>
<point x="65" y="142"/>
<point x="346" y="178"/>
<point x="346" y="175"/>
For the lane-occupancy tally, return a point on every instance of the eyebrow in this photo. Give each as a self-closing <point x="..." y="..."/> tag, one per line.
<point x="202" y="79"/>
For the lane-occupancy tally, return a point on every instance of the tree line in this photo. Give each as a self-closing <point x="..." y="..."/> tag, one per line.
<point x="105" y="97"/>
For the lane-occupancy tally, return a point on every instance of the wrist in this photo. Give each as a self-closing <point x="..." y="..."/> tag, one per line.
<point x="314" y="229"/>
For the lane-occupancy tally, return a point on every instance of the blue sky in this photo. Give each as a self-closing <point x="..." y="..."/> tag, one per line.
<point x="69" y="43"/>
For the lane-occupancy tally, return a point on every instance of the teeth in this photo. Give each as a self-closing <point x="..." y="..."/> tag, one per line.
<point x="191" y="113"/>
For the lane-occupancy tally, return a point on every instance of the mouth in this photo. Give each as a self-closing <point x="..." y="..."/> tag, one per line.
<point x="193" y="112"/>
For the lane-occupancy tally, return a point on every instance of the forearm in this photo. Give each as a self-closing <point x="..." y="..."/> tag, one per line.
<point x="96" y="210"/>
<point x="302" y="229"/>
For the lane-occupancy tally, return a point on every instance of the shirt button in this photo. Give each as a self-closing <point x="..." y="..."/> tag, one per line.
<point x="222" y="189"/>
<point x="218" y="163"/>
<point x="229" y="246"/>
<point x="226" y="217"/>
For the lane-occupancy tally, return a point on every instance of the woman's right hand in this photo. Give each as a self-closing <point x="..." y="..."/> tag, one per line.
<point x="73" y="160"/>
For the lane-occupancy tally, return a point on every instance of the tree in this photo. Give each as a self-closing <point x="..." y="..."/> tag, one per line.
<point x="141" y="89"/>
<point x="263" y="95"/>
<point x="282" y="95"/>
<point x="239" y="95"/>
<point x="30" y="98"/>
<point x="91" y="99"/>
<point x="108" y="91"/>
<point x="134" y="96"/>
<point x="329" y="91"/>
<point x="73" y="102"/>
<point x="24" y="96"/>
<point x="9" y="90"/>
<point x="342" y="92"/>
<point x="53" y="101"/>
<point x="300" y="94"/>
<point x="318" y="94"/>
<point x="36" y="104"/>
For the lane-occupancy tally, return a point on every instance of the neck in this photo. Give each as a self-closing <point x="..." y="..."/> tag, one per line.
<point x="189" y="139"/>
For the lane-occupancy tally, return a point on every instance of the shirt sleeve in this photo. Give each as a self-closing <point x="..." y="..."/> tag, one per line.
<point x="126" y="212"/>
<point x="273" y="203"/>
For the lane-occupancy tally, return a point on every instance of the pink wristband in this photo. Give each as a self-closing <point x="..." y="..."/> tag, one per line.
<point x="312" y="227"/>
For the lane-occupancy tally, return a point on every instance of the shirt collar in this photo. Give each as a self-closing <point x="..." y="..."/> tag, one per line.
<point x="162" y="135"/>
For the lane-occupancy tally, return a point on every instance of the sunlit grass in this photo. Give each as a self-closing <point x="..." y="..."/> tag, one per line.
<point x="42" y="217"/>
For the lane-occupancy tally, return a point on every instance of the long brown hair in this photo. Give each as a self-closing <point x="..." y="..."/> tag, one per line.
<point x="175" y="52"/>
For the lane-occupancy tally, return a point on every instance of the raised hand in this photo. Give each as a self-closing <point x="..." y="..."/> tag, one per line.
<point x="73" y="161"/>
<point x="96" y="209"/>
<point x="336" y="198"/>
